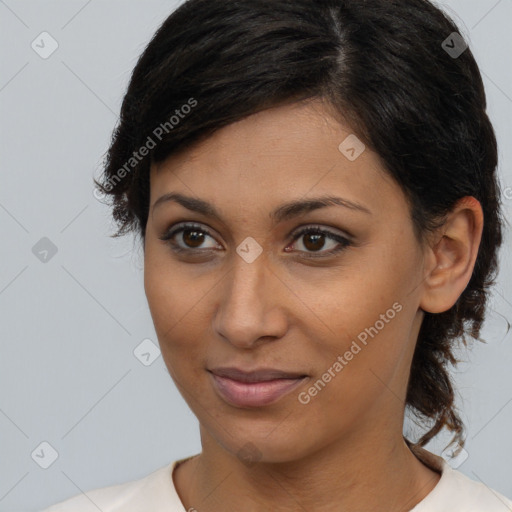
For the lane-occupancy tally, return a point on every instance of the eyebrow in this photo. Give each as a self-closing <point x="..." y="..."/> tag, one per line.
<point x="283" y="212"/>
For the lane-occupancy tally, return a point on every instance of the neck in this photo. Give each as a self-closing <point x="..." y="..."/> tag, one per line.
<point x="362" y="472"/>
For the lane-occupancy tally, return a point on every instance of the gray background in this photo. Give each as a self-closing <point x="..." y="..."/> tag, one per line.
<point x="70" y="324"/>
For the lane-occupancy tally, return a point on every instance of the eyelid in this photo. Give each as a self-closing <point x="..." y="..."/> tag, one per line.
<point x="311" y="227"/>
<point x="298" y="230"/>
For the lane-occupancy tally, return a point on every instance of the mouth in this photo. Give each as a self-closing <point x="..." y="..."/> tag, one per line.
<point x="254" y="388"/>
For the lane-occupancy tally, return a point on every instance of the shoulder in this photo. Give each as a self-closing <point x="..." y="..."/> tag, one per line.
<point x="456" y="492"/>
<point x="475" y="495"/>
<point x="155" y="492"/>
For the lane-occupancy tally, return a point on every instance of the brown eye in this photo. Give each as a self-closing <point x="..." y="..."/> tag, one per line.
<point x="192" y="238"/>
<point x="314" y="239"/>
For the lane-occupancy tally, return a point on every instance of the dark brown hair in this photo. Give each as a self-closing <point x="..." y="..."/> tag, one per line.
<point x="386" y="67"/>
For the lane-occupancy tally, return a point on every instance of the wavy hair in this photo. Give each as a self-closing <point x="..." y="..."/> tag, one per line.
<point x="382" y="65"/>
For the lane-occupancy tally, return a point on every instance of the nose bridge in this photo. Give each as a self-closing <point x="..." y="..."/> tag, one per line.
<point x="247" y="278"/>
<point x="247" y="305"/>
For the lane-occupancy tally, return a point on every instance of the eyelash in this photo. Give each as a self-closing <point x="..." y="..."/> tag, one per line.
<point x="343" y="241"/>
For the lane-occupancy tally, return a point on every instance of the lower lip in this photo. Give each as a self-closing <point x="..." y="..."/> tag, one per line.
<point x="254" y="394"/>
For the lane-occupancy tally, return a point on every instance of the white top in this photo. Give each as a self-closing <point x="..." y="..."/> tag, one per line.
<point x="454" y="492"/>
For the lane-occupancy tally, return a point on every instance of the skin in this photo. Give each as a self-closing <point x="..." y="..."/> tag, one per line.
<point x="344" y="449"/>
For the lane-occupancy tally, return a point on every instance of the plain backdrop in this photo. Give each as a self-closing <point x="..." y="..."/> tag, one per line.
<point x="74" y="396"/>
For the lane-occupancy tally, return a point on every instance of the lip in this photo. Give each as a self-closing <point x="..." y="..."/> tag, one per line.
<point x="255" y="388"/>
<point x="261" y="375"/>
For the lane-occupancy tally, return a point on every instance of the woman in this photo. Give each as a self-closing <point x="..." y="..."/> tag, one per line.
<point x="314" y="186"/>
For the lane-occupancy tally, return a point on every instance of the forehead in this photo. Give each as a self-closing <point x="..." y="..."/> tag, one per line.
<point x="283" y="153"/>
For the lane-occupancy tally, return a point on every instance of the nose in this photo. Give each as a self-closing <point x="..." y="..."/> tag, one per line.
<point x="252" y="304"/>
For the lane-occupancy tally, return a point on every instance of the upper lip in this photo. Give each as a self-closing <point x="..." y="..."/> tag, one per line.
<point x="260" y="375"/>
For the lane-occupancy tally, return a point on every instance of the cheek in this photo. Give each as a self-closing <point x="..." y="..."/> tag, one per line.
<point x="180" y="302"/>
<point x="168" y="292"/>
<point x="367" y="320"/>
<point x="177" y="309"/>
<point x="369" y="377"/>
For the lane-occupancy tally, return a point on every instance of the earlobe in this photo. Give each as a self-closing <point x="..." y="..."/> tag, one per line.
<point x="454" y="255"/>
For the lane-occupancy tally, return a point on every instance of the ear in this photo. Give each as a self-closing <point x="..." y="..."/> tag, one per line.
<point x="453" y="256"/>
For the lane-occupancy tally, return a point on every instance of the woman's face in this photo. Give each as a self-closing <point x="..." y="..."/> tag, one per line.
<point x="338" y="310"/>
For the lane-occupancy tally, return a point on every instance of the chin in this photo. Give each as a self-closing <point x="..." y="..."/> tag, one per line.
<point x="270" y="443"/>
